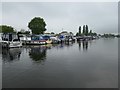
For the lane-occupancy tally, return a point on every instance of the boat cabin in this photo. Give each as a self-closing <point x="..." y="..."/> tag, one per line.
<point x="10" y="40"/>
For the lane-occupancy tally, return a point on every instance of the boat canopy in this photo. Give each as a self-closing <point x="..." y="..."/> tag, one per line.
<point x="36" y="37"/>
<point x="46" y="37"/>
<point x="9" y="37"/>
<point x="40" y="37"/>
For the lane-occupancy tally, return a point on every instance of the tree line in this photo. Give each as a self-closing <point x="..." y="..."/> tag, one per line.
<point x="110" y="35"/>
<point x="6" y="29"/>
<point x="37" y="25"/>
<point x="85" y="31"/>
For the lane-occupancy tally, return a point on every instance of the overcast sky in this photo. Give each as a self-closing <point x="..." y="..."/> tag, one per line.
<point x="101" y="17"/>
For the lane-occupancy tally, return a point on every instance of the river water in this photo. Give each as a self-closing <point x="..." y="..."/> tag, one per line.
<point x="92" y="64"/>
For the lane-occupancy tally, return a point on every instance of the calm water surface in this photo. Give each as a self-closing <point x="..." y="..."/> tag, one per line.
<point x="92" y="64"/>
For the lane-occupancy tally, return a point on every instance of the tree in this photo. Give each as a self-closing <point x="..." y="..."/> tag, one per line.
<point x="94" y="34"/>
<point x="77" y="34"/>
<point x="84" y="30"/>
<point x="6" y="29"/>
<point x="108" y="35"/>
<point x="52" y="33"/>
<point x="79" y="30"/>
<point x="90" y="33"/>
<point x="118" y="36"/>
<point x="37" y="25"/>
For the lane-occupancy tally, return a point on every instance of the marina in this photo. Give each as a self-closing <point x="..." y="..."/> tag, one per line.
<point x="11" y="40"/>
<point x="69" y="65"/>
<point x="59" y="45"/>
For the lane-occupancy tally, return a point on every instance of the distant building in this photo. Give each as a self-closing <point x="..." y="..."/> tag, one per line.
<point x="65" y="33"/>
<point x="49" y="34"/>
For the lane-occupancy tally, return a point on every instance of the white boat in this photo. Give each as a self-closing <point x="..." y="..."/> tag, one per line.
<point x="15" y="43"/>
<point x="55" y="40"/>
<point x="25" y="38"/>
<point x="10" y="40"/>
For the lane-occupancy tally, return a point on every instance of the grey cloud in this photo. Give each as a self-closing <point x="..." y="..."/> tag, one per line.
<point x="100" y="16"/>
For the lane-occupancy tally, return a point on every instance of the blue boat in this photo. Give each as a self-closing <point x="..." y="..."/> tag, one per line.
<point x="36" y="40"/>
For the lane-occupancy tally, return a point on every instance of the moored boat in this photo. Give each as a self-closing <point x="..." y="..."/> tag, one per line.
<point x="36" y="40"/>
<point x="55" y="40"/>
<point x="10" y="40"/>
<point x="49" y="41"/>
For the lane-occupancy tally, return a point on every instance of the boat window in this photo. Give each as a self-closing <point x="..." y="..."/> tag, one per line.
<point x="16" y="40"/>
<point x="35" y="38"/>
<point x="5" y="39"/>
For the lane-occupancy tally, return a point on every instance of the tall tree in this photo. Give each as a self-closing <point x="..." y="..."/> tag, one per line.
<point x="79" y="30"/>
<point x="84" y="30"/>
<point x="6" y="29"/>
<point x="37" y="25"/>
<point x="90" y="33"/>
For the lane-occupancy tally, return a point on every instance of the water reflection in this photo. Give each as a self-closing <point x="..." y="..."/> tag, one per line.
<point x="38" y="53"/>
<point x="83" y="44"/>
<point x="69" y="44"/>
<point x="64" y="67"/>
<point x="9" y="55"/>
<point x="63" y="45"/>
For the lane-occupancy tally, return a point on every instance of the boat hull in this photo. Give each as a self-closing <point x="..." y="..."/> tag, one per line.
<point x="15" y="45"/>
<point x="11" y="44"/>
<point x="35" y="42"/>
<point x="49" y="41"/>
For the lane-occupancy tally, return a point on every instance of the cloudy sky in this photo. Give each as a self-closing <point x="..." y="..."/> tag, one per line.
<point x="101" y="17"/>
